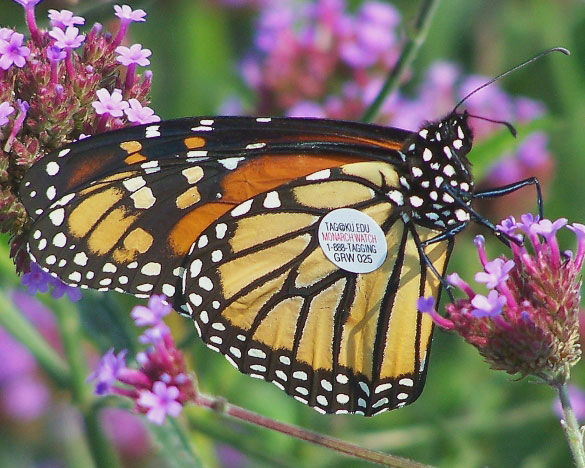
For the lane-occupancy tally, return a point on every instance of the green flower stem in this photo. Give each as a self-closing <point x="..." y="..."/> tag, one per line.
<point x="571" y="428"/>
<point x="340" y="446"/>
<point x="419" y="33"/>
<point x="22" y="330"/>
<point x="104" y="454"/>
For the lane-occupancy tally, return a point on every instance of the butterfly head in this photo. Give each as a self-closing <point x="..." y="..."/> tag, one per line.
<point x="439" y="172"/>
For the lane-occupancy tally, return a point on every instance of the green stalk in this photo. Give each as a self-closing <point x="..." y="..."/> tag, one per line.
<point x="411" y="47"/>
<point x="571" y="427"/>
<point x="103" y="453"/>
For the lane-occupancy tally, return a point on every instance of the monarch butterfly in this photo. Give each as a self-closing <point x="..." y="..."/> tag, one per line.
<point x="237" y="221"/>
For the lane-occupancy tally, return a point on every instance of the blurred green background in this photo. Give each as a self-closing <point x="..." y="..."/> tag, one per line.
<point x="468" y="416"/>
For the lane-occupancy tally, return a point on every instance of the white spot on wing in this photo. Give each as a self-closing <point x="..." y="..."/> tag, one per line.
<point x="242" y="208"/>
<point x="151" y="269"/>
<point x="52" y="168"/>
<point x="272" y="200"/>
<point x="57" y="216"/>
<point x="230" y="163"/>
<point x="220" y="230"/>
<point x="320" y="175"/>
<point x="253" y="146"/>
<point x="152" y="131"/>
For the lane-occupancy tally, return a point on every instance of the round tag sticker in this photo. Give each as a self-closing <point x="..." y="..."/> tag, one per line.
<point x="352" y="240"/>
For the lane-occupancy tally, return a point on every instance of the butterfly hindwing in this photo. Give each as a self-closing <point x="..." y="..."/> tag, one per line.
<point x="262" y="292"/>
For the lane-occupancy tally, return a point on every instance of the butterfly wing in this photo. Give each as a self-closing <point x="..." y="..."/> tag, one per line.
<point x="143" y="209"/>
<point x="262" y="292"/>
<point x="120" y="210"/>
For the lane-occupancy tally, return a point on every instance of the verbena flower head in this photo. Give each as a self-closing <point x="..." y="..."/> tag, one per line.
<point x="48" y="84"/>
<point x="162" y="385"/>
<point x="528" y="322"/>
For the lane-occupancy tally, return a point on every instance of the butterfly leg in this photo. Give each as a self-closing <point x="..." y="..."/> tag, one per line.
<point x="506" y="189"/>
<point x="420" y="245"/>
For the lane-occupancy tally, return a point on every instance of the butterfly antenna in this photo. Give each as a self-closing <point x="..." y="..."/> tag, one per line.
<point x="508" y="125"/>
<point x="502" y="75"/>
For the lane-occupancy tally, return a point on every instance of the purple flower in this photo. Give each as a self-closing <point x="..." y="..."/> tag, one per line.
<point x="426" y="305"/>
<point x="547" y="228"/>
<point x="60" y="289"/>
<point x="139" y="114"/>
<point x="108" y="371"/>
<point x="159" y="402"/>
<point x="16" y="359"/>
<point x="135" y="54"/>
<point x="526" y="222"/>
<point x="489" y="306"/>
<point x="36" y="280"/>
<point x="155" y="335"/>
<point x="152" y="315"/>
<point x="27" y="3"/>
<point x="125" y="12"/>
<point x="507" y="225"/>
<point x="68" y="39"/>
<point x="127" y="16"/>
<point x="495" y="272"/>
<point x="5" y="110"/>
<point x="111" y="104"/>
<point x="64" y="18"/>
<point x="13" y="52"/>
<point x="55" y="54"/>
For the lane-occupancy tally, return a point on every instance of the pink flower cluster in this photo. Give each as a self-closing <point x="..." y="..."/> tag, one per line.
<point x="58" y="86"/>
<point x="528" y="322"/>
<point x="162" y="385"/>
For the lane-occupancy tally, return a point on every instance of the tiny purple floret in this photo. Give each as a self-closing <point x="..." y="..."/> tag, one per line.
<point x="36" y="279"/>
<point x="60" y="289"/>
<point x="160" y="402"/>
<point x="13" y="52"/>
<point x="124" y="12"/>
<point x="152" y="315"/>
<point x="108" y="370"/>
<point x="139" y="114"/>
<point x="64" y="18"/>
<point x="68" y="39"/>
<point x="111" y="104"/>
<point x="133" y="54"/>
<point x="496" y="272"/>
<point x="5" y="110"/>
<point x="490" y="306"/>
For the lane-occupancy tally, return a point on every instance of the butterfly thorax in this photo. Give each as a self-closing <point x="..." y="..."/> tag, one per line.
<point x="438" y="176"/>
